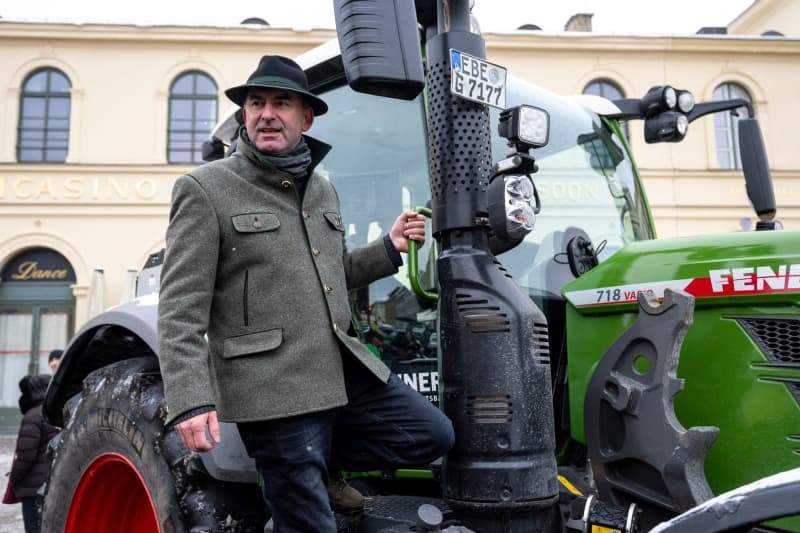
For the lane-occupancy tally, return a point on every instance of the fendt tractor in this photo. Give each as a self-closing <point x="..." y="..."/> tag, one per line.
<point x="598" y="379"/>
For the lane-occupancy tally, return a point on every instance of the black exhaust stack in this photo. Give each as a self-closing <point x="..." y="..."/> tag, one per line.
<point x="494" y="358"/>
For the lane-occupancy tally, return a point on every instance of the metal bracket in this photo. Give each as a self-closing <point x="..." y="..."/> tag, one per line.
<point x="639" y="451"/>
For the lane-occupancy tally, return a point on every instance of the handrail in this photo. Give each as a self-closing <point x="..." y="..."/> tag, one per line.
<point x="413" y="264"/>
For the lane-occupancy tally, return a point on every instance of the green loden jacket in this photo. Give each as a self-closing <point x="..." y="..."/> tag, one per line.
<point x="265" y="279"/>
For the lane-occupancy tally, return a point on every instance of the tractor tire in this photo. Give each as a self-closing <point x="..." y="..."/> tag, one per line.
<point x="115" y="468"/>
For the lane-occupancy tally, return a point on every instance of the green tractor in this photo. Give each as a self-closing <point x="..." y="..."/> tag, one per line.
<point x="570" y="348"/>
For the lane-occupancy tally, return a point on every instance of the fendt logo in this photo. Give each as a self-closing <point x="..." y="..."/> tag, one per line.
<point x="720" y="282"/>
<point x="755" y="279"/>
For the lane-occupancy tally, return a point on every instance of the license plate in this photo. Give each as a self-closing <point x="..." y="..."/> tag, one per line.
<point x="478" y="80"/>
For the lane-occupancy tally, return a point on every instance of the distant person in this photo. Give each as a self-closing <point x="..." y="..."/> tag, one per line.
<point x="400" y="349"/>
<point x="374" y="343"/>
<point x="54" y="359"/>
<point x="31" y="464"/>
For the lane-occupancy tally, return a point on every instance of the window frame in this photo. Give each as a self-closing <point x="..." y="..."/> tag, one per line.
<point x="196" y="136"/>
<point x="727" y="124"/>
<point x="603" y="83"/>
<point x="45" y="141"/>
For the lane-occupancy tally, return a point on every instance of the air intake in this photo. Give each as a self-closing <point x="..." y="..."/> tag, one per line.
<point x="777" y="337"/>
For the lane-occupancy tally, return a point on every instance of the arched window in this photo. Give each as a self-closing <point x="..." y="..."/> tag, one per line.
<point x="43" y="132"/>
<point x="726" y="125"/>
<point x="609" y="90"/>
<point x="192" y="114"/>
<point x="605" y="88"/>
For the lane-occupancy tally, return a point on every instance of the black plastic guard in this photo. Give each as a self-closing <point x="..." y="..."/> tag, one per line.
<point x="380" y="47"/>
<point x="639" y="451"/>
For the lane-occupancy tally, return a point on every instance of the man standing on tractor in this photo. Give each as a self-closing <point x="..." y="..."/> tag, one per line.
<point x="256" y="264"/>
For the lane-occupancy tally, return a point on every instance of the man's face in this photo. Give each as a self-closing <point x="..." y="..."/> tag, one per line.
<point x="275" y="119"/>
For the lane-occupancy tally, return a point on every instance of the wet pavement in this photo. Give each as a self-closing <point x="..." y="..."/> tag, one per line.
<point x="10" y="515"/>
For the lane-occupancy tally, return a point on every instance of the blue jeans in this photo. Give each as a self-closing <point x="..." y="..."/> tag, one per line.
<point x="383" y="426"/>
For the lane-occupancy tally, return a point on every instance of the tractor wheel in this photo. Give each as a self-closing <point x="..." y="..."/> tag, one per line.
<point x="115" y="469"/>
<point x="107" y="472"/>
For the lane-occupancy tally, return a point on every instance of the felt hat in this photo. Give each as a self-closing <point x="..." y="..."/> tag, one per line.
<point x="278" y="72"/>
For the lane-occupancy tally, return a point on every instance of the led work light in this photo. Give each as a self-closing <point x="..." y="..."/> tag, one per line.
<point x="665" y="111"/>
<point x="685" y="101"/>
<point x="670" y="126"/>
<point x="525" y="126"/>
<point x="513" y="206"/>
<point x="513" y="201"/>
<point x="659" y="99"/>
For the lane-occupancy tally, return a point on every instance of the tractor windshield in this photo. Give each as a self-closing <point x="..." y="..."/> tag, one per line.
<point x="586" y="181"/>
<point x="379" y="167"/>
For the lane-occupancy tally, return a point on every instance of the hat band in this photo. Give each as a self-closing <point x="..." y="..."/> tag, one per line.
<point x="280" y="80"/>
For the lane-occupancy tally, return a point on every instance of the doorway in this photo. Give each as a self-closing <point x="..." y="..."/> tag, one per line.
<point x="37" y="311"/>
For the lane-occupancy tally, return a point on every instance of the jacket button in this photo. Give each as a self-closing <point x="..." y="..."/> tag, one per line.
<point x="315" y="251"/>
<point x="286" y="184"/>
<point x="306" y="214"/>
<point x="328" y="289"/>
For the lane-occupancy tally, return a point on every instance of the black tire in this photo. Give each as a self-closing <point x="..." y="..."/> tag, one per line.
<point x="120" y="415"/>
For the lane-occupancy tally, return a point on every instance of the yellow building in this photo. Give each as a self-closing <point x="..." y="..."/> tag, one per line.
<point x="97" y="121"/>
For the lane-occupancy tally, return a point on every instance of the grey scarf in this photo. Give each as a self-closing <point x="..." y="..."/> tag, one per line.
<point x="294" y="162"/>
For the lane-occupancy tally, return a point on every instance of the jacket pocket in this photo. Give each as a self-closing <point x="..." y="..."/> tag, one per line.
<point x="252" y="343"/>
<point x="335" y="220"/>
<point x="255" y="222"/>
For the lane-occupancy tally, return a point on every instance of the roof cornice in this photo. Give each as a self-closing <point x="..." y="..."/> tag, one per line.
<point x="728" y="44"/>
<point x="120" y="32"/>
<point x="522" y="41"/>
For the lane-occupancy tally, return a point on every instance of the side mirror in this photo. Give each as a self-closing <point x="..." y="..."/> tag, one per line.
<point x="213" y="149"/>
<point x="380" y="47"/>
<point x="756" y="169"/>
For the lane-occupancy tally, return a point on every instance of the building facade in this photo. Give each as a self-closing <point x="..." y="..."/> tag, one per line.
<point x="97" y="121"/>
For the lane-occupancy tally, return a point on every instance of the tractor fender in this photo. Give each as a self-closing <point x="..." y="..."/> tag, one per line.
<point x="125" y="332"/>
<point x="116" y="468"/>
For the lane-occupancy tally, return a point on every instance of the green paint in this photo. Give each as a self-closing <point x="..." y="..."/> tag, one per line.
<point x="729" y="383"/>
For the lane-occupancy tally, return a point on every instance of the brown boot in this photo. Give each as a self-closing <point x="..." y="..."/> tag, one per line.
<point x="344" y="498"/>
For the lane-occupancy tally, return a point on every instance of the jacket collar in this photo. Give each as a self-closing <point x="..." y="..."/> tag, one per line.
<point x="318" y="149"/>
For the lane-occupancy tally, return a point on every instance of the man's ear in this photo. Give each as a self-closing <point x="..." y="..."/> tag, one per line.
<point x="308" y="118"/>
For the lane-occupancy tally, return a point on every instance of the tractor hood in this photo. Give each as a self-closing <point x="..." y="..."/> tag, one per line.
<point x="749" y="268"/>
<point x="739" y="366"/>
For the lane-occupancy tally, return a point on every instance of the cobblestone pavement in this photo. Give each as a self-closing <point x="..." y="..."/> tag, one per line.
<point x="10" y="515"/>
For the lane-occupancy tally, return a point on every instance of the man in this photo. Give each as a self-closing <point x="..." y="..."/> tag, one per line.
<point x="256" y="261"/>
<point x="54" y="359"/>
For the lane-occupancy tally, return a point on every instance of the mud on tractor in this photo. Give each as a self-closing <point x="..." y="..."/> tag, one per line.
<point x="598" y="379"/>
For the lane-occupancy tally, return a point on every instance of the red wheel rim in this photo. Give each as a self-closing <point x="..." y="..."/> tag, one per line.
<point x="112" y="496"/>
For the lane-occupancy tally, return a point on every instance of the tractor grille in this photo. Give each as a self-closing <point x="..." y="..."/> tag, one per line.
<point x="480" y="316"/>
<point x="495" y="409"/>
<point x="778" y="338"/>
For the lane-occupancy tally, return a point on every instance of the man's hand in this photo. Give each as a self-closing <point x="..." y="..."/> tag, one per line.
<point x="409" y="225"/>
<point x="193" y="431"/>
